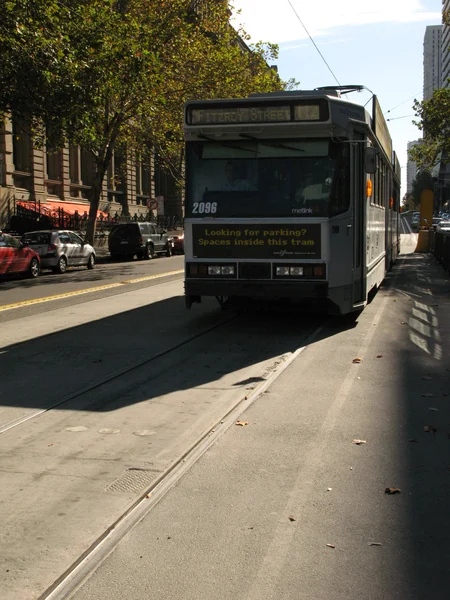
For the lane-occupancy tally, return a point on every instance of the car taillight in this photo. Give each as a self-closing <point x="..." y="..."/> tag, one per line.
<point x="141" y="241"/>
<point x="51" y="247"/>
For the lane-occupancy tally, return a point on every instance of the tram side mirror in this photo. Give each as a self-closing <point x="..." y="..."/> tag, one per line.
<point x="370" y="163"/>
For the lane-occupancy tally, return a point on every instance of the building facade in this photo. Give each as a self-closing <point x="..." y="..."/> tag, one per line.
<point x="445" y="46"/>
<point x="411" y="168"/>
<point x="432" y="60"/>
<point x="45" y="181"/>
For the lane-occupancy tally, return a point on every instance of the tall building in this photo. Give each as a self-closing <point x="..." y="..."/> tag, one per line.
<point x="432" y="71"/>
<point x="445" y="46"/>
<point x="411" y="168"/>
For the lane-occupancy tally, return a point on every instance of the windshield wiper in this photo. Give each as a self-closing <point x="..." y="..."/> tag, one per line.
<point x="271" y="144"/>
<point x="227" y="144"/>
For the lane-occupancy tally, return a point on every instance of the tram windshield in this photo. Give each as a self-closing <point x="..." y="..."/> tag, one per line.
<point x="267" y="178"/>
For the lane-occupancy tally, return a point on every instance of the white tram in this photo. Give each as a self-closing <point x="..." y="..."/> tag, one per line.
<point x="290" y="196"/>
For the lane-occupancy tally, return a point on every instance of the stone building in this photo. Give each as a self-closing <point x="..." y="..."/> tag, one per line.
<point x="45" y="181"/>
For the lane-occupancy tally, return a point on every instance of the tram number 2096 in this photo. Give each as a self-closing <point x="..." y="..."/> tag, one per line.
<point x="204" y="208"/>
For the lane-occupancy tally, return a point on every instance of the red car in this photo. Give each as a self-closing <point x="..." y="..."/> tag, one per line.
<point x="16" y="258"/>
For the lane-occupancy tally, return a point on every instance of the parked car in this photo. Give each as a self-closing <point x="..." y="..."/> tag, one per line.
<point x="436" y="221"/>
<point x="59" y="249"/>
<point x="143" y="240"/>
<point x="15" y="257"/>
<point x="443" y="226"/>
<point x="178" y="241"/>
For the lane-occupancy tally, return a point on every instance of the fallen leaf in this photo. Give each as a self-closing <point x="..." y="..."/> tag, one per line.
<point x="331" y="546"/>
<point x="292" y="518"/>
<point x="50" y="445"/>
<point x="404" y="323"/>
<point x="429" y="429"/>
<point x="433" y="409"/>
<point x="375" y="544"/>
<point x="148" y="495"/>
<point x="427" y="378"/>
<point x="379" y="356"/>
<point x="428" y="395"/>
<point x="413" y="440"/>
<point x="242" y="423"/>
<point x="359" y="442"/>
<point x="357" y="360"/>
<point x="329" y="489"/>
<point x="392" y="490"/>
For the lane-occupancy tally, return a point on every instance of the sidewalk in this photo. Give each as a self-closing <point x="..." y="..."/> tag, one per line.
<point x="287" y="507"/>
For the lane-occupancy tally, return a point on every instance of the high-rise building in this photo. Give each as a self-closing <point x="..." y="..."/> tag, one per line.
<point x="445" y="46"/>
<point x="432" y="72"/>
<point x="411" y="168"/>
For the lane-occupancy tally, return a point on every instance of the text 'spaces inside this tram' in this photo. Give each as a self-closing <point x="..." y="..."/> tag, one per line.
<point x="289" y="196"/>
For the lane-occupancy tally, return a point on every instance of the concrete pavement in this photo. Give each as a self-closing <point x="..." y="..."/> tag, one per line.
<point x="288" y="506"/>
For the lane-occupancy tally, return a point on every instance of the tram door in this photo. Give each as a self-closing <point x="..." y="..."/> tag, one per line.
<point x="359" y="217"/>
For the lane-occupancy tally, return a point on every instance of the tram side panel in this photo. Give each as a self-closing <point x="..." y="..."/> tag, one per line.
<point x="375" y="245"/>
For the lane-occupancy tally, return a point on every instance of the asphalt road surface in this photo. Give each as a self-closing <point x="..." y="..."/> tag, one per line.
<point x="125" y="474"/>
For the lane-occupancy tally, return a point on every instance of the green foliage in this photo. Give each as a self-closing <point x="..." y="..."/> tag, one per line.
<point x="434" y="115"/>
<point x="98" y="71"/>
<point x="423" y="181"/>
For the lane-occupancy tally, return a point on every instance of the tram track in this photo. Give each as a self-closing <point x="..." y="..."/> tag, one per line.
<point x="109" y="379"/>
<point x="183" y="397"/>
<point x="88" y="561"/>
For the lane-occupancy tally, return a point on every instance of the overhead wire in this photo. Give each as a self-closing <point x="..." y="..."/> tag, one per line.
<point x="315" y="45"/>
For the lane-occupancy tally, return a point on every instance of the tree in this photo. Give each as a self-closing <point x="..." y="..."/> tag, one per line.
<point x="98" y="71"/>
<point x="422" y="181"/>
<point x="434" y="121"/>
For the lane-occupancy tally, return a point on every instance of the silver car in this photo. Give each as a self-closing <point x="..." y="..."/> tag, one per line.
<point x="60" y="249"/>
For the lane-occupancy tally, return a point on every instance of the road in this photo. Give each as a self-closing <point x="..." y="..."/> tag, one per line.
<point x="112" y="393"/>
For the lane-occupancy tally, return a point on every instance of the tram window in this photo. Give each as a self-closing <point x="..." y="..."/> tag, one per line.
<point x="340" y="199"/>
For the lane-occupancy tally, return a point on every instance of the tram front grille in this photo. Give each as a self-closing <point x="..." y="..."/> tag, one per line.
<point x="255" y="271"/>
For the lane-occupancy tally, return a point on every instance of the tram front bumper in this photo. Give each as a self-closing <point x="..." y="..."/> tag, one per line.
<point x="298" y="290"/>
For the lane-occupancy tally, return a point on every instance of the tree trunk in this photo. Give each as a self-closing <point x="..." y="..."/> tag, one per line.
<point x="94" y="199"/>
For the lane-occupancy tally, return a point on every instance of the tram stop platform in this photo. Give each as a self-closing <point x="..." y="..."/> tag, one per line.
<point x="338" y="484"/>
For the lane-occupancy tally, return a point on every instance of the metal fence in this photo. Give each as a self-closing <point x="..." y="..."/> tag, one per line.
<point x="31" y="217"/>
<point x="440" y="248"/>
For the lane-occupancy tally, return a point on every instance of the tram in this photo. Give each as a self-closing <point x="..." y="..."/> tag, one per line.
<point x="290" y="196"/>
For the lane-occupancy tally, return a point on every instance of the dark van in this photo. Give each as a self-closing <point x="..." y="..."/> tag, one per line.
<point x="143" y="240"/>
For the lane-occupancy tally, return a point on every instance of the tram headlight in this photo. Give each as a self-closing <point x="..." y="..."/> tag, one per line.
<point x="214" y="270"/>
<point x="282" y="271"/>
<point x="296" y="271"/>
<point x="228" y="270"/>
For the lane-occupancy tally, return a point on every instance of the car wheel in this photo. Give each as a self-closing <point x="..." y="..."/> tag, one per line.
<point x="169" y="250"/>
<point x="61" y="267"/>
<point x="148" y="252"/>
<point x="91" y="262"/>
<point x="34" y="269"/>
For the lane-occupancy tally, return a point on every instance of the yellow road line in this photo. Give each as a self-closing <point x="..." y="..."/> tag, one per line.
<point x="86" y="291"/>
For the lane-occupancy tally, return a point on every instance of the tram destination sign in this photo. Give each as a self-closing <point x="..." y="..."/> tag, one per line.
<point x="239" y="114"/>
<point x="263" y="113"/>
<point x="268" y="241"/>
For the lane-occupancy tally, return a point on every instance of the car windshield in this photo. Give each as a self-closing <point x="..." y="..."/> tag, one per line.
<point x="124" y="231"/>
<point x="267" y="178"/>
<point x="36" y="237"/>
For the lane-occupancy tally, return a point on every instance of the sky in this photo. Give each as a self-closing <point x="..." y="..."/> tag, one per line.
<point x="378" y="44"/>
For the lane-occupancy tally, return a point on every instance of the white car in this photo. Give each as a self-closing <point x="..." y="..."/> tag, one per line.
<point x="59" y="249"/>
<point x="443" y="226"/>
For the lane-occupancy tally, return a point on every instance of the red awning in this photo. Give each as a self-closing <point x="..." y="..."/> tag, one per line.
<point x="71" y="208"/>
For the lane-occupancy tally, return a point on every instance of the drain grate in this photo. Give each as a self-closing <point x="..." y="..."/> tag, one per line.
<point x="132" y="480"/>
